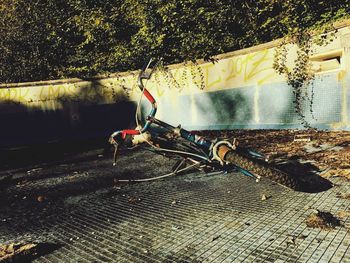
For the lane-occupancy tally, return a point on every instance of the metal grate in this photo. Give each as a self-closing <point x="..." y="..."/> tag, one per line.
<point x="187" y="218"/>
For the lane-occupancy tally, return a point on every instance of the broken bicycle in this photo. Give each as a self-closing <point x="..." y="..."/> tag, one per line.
<point x="195" y="151"/>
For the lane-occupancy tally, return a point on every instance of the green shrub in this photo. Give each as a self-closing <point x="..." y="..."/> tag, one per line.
<point x="48" y="39"/>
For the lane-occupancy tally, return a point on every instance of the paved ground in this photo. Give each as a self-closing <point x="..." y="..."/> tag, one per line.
<point x="82" y="213"/>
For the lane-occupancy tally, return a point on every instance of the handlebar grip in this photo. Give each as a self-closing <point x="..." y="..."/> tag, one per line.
<point x="147" y="75"/>
<point x="146" y="65"/>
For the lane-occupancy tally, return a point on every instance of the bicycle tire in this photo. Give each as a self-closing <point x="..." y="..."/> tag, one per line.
<point x="263" y="169"/>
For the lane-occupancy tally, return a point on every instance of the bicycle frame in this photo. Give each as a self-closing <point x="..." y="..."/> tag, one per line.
<point x="198" y="140"/>
<point x="214" y="149"/>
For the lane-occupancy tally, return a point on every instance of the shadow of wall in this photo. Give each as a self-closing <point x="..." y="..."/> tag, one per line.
<point x="82" y="115"/>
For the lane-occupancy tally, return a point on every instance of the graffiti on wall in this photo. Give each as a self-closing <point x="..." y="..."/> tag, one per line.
<point x="239" y="71"/>
<point x="250" y="69"/>
<point x="235" y="71"/>
<point x="95" y="92"/>
<point x="17" y="95"/>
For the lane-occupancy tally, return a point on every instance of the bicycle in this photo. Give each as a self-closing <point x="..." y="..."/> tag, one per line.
<point x="198" y="151"/>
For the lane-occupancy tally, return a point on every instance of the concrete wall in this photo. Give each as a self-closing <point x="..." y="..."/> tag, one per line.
<point x="240" y="90"/>
<point x="69" y="110"/>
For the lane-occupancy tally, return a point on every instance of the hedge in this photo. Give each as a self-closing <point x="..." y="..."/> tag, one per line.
<point x="50" y="39"/>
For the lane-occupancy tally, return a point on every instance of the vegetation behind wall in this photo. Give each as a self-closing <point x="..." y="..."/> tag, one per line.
<point x="50" y="39"/>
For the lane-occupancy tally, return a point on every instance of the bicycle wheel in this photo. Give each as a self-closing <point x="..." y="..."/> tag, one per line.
<point x="263" y="169"/>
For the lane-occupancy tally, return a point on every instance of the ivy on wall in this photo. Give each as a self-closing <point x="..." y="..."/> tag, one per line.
<point x="305" y="34"/>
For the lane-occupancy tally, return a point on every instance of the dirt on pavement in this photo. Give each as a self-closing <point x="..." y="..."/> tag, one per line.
<point x="329" y="151"/>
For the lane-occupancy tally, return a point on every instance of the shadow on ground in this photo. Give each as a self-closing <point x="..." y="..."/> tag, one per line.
<point x="307" y="174"/>
<point x="52" y="153"/>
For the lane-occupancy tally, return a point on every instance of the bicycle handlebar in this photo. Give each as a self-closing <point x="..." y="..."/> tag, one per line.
<point x="146" y="73"/>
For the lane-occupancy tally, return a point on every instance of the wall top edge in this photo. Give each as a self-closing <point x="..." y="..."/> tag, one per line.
<point x="337" y="25"/>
